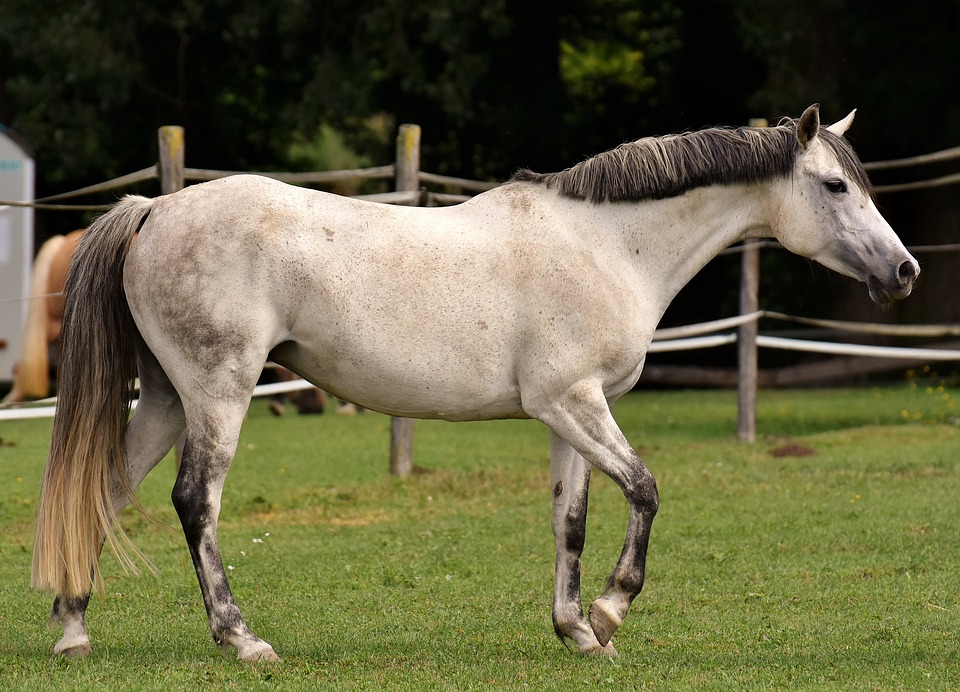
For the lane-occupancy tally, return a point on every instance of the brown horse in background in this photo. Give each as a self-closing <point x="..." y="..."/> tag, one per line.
<point x="41" y="342"/>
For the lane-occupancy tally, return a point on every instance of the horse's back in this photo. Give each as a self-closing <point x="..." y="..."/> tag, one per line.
<point x="419" y="312"/>
<point x="350" y="294"/>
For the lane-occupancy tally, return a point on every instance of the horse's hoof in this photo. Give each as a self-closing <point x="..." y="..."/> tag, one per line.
<point x="269" y="656"/>
<point x="80" y="650"/>
<point x="603" y="621"/>
<point x="261" y="652"/>
<point x="598" y="650"/>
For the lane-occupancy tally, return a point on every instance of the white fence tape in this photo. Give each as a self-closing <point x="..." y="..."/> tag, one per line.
<point x="684" y="339"/>
<point x="34" y="411"/>
<point x="857" y="349"/>
<point x="691" y="344"/>
<point x="705" y="327"/>
<point x="28" y="412"/>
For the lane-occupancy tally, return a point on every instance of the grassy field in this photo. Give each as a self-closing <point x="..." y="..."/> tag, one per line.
<point x="825" y="556"/>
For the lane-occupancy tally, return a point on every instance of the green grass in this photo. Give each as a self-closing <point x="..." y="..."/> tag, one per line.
<point x="835" y="570"/>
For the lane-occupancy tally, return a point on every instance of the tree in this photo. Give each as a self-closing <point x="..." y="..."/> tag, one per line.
<point x="900" y="68"/>
<point x="87" y="83"/>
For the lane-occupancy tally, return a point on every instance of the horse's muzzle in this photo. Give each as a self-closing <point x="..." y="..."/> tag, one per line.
<point x="899" y="287"/>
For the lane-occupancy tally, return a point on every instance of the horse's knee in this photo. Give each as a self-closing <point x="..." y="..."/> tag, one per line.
<point x="651" y="496"/>
<point x="642" y="492"/>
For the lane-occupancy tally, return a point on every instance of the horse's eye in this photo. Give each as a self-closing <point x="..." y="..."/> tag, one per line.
<point x="836" y="186"/>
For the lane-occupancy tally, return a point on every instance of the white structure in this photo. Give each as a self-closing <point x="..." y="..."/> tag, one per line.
<point x="16" y="247"/>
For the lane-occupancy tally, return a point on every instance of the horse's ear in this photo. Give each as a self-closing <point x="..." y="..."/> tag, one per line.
<point x="809" y="125"/>
<point x="841" y="126"/>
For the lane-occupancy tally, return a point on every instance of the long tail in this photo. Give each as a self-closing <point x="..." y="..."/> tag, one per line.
<point x="87" y="462"/>
<point x="32" y="379"/>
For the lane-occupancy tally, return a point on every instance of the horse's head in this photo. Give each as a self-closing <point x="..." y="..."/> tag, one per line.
<point x="828" y="213"/>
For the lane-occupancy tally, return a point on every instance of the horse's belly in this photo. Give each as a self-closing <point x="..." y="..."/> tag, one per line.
<point x="403" y="382"/>
<point x="453" y="406"/>
<point x="403" y="394"/>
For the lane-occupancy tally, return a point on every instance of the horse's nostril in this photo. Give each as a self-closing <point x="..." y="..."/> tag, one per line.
<point x="908" y="272"/>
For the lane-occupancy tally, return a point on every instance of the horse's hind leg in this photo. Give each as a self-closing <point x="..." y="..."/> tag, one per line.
<point x="570" y="478"/>
<point x="152" y="431"/>
<point x="212" y="433"/>
<point x="70" y="614"/>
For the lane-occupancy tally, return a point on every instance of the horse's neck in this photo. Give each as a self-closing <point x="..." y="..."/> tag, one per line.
<point x="677" y="237"/>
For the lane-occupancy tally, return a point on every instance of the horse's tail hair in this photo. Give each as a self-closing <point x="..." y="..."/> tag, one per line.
<point x="32" y="379"/>
<point x="87" y="467"/>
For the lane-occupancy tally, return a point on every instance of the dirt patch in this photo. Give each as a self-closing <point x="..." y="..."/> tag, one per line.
<point x="792" y="449"/>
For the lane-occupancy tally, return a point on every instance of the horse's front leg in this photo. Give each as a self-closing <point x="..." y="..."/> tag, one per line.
<point x="582" y="417"/>
<point x="624" y="584"/>
<point x="570" y="479"/>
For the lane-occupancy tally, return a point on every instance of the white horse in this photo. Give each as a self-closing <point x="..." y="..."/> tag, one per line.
<point x="536" y="299"/>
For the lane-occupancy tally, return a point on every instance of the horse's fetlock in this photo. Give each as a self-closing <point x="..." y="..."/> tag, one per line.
<point x="567" y="616"/>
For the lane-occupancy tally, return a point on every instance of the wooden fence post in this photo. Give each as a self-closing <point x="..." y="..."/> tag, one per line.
<point x="748" y="370"/>
<point x="407" y="178"/>
<point x="170" y="139"/>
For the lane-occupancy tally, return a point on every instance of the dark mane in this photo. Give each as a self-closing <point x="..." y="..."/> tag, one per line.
<point x="661" y="167"/>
